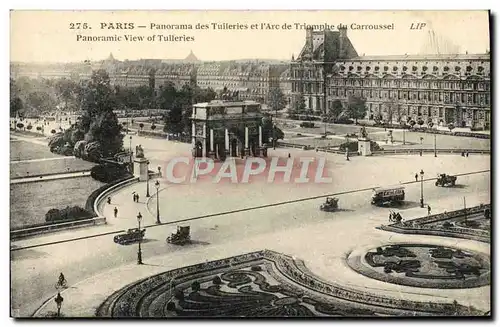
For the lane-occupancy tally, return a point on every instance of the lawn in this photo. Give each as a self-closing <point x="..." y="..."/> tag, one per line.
<point x="22" y="150"/>
<point x="29" y="202"/>
<point x="64" y="165"/>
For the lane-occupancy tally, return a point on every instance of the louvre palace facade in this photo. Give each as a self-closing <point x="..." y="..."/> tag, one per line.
<point x="445" y="88"/>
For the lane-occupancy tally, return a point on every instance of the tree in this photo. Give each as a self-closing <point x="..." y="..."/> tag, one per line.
<point x="153" y="127"/>
<point x="277" y="99"/>
<point x="16" y="105"/>
<point x="40" y="101"/>
<point x="336" y="109"/>
<point x="66" y="90"/>
<point x="300" y="104"/>
<point x="392" y="108"/>
<point x="141" y="126"/>
<point x="270" y="132"/>
<point x="167" y="96"/>
<point x="420" y="122"/>
<point x="203" y="95"/>
<point x="451" y="126"/>
<point x="98" y="122"/>
<point x="356" y="107"/>
<point x="173" y="121"/>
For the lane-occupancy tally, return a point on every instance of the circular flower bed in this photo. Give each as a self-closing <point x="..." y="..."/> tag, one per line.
<point x="424" y="265"/>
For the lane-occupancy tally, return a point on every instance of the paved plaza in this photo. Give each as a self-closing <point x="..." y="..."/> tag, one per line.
<point x="96" y="266"/>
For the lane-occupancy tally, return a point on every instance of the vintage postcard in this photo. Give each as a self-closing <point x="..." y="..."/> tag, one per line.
<point x="252" y="164"/>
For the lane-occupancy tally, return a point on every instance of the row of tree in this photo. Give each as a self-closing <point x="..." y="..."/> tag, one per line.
<point x="355" y="109"/>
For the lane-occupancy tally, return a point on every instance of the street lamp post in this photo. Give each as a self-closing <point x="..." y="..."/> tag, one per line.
<point x="274" y="136"/>
<point x="347" y="148"/>
<point x="157" y="184"/>
<point x="421" y="188"/>
<point x="435" y="148"/>
<point x="59" y="300"/>
<point x="139" y="251"/>
<point x="131" y="153"/>
<point x="404" y="140"/>
<point x="147" y="179"/>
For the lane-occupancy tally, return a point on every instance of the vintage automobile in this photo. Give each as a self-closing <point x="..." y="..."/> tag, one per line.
<point x="446" y="180"/>
<point x="130" y="236"/>
<point x="331" y="204"/>
<point x="388" y="195"/>
<point x="181" y="236"/>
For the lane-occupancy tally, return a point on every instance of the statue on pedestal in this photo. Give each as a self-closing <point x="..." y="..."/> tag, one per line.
<point x="139" y="151"/>
<point x="362" y="133"/>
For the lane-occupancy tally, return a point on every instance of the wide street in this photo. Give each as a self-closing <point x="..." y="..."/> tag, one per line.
<point x="296" y="228"/>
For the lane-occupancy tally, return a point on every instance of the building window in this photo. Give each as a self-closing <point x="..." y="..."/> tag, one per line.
<point x="440" y="112"/>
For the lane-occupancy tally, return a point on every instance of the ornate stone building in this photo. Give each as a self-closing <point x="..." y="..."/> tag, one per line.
<point x="439" y="88"/>
<point x="253" y="80"/>
<point x="178" y="74"/>
<point x="309" y="71"/>
<point x="452" y="88"/>
<point x="221" y="129"/>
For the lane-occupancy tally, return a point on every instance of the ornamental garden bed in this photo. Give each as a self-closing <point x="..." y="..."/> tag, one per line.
<point x="424" y="265"/>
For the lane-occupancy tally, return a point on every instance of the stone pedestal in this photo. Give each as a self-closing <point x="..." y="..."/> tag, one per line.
<point x="364" y="147"/>
<point x="141" y="169"/>
<point x="263" y="151"/>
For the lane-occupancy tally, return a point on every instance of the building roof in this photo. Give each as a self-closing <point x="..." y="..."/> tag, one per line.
<point x="191" y="57"/>
<point x="420" y="57"/>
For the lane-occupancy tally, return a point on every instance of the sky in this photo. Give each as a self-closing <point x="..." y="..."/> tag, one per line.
<point x="46" y="36"/>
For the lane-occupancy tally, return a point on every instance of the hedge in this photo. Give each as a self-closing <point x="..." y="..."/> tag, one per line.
<point x="108" y="173"/>
<point x="67" y="214"/>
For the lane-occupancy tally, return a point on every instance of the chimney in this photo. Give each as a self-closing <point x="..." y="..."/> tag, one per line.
<point x="309" y="41"/>
<point x="342" y="42"/>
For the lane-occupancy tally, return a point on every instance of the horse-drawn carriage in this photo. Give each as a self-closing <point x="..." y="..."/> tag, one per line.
<point x="331" y="204"/>
<point x="181" y="237"/>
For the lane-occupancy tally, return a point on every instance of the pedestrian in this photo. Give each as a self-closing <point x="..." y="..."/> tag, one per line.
<point x="416" y="177"/>
<point x="428" y="209"/>
<point x="467" y="154"/>
<point x="109" y="200"/>
<point x="134" y="197"/>
<point x="289" y="155"/>
<point x="137" y="198"/>
<point x="116" y="212"/>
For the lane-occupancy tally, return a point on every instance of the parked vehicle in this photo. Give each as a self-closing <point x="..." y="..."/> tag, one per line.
<point x="130" y="236"/>
<point x="446" y="180"/>
<point x="331" y="204"/>
<point x="181" y="237"/>
<point x="307" y="124"/>
<point x="388" y="195"/>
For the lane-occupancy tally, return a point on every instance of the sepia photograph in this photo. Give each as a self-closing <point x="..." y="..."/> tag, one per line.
<point x="281" y="164"/>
